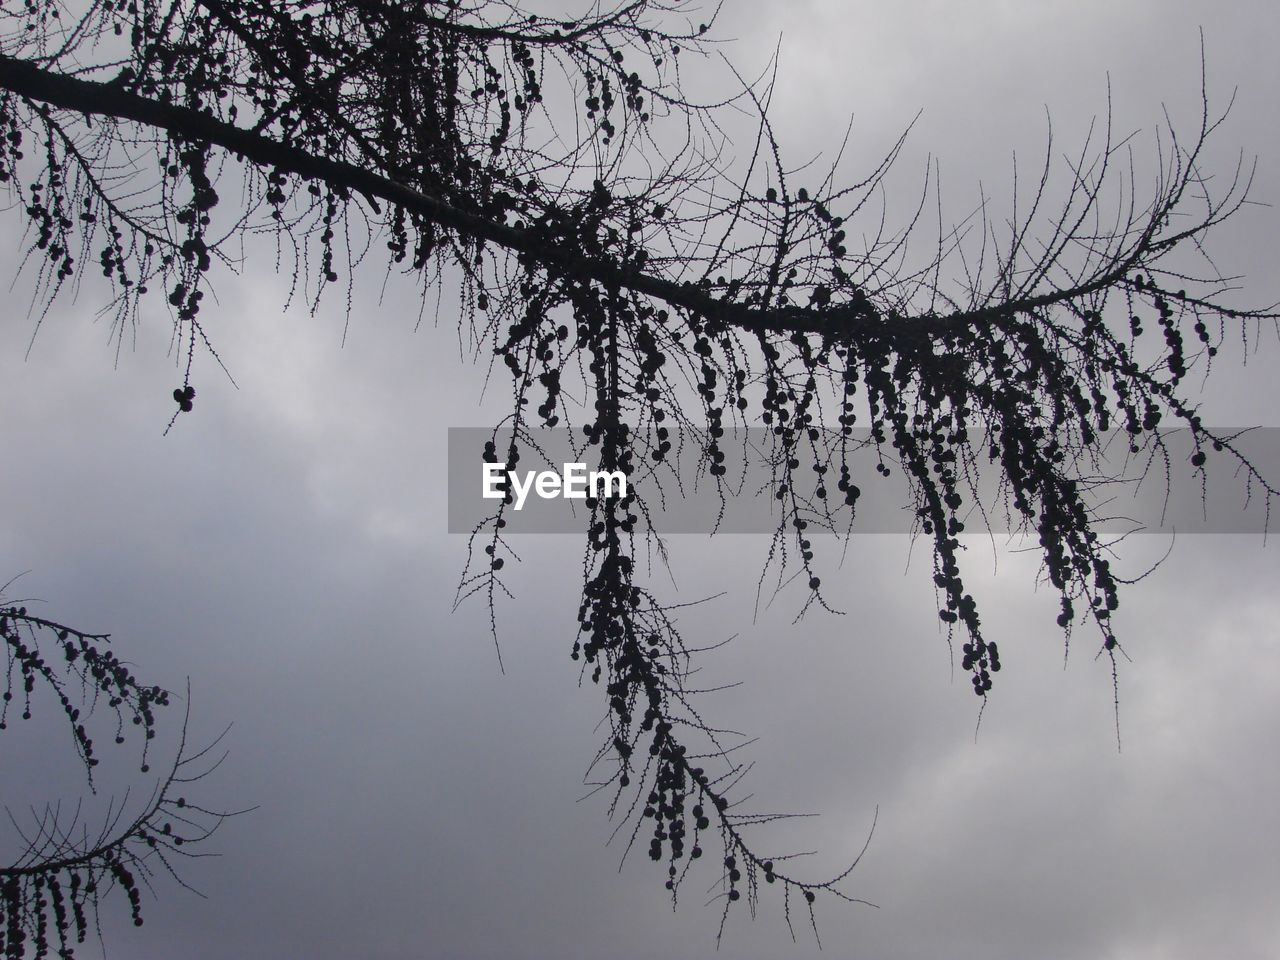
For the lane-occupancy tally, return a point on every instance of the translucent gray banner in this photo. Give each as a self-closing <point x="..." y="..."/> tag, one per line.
<point x="1156" y="490"/>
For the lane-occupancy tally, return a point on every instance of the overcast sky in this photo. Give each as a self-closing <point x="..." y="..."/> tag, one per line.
<point x="285" y="547"/>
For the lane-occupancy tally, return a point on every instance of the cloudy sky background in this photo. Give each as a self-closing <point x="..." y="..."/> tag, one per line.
<point x="285" y="548"/>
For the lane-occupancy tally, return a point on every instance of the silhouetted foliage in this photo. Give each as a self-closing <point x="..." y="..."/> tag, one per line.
<point x="603" y="246"/>
<point x="69" y="864"/>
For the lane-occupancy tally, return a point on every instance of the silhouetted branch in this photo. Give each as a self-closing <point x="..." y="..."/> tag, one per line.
<point x="50" y="893"/>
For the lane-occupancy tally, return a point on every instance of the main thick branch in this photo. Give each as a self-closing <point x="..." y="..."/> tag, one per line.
<point x="838" y="321"/>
